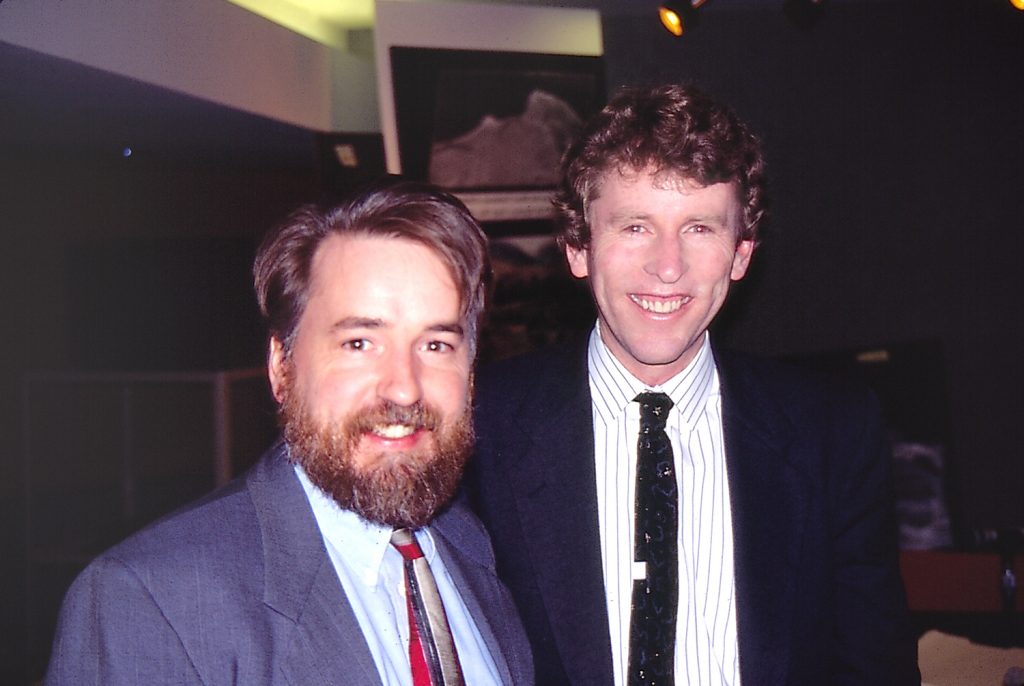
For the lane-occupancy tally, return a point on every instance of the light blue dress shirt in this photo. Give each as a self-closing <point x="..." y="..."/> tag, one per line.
<point x="372" y="575"/>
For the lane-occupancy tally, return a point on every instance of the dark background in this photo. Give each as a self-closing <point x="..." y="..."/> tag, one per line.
<point x="895" y="149"/>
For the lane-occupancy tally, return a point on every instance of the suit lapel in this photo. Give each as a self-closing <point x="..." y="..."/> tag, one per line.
<point x="769" y="498"/>
<point x="326" y="645"/>
<point x="472" y="571"/>
<point x="556" y="495"/>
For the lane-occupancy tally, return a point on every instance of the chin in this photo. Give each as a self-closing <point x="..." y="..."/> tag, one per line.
<point x="366" y="461"/>
<point x="660" y="356"/>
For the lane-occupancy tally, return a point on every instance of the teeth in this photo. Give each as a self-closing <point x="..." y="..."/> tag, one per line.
<point x="660" y="306"/>
<point x="393" y="430"/>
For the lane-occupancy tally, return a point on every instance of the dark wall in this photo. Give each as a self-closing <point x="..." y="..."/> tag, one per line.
<point x="114" y="263"/>
<point x="895" y="148"/>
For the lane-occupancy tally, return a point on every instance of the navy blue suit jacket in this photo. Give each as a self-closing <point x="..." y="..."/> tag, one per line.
<point x="819" y="596"/>
<point x="238" y="589"/>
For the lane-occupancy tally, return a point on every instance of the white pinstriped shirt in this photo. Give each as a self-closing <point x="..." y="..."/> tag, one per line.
<point x="707" y="651"/>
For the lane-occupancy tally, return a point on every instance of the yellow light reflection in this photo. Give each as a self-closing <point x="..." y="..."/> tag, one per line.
<point x="671" y="20"/>
<point x="325" y="21"/>
<point x="1019" y="4"/>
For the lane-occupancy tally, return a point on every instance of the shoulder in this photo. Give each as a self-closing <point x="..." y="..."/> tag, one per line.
<point x="571" y="354"/>
<point x="218" y="535"/>
<point x="503" y="384"/>
<point x="183" y="557"/>
<point x="162" y="584"/>
<point x="786" y="401"/>
<point x="749" y="376"/>
<point x="164" y="595"/>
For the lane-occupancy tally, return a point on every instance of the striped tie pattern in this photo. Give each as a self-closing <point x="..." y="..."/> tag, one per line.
<point x="431" y="648"/>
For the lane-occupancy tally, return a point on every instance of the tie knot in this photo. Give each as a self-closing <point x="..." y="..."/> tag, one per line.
<point x="405" y="542"/>
<point x="654" y="406"/>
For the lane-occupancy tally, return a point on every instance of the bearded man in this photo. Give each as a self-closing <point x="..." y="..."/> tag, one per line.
<point x="339" y="558"/>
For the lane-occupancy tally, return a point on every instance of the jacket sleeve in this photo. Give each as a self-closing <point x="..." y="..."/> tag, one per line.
<point x="872" y="640"/>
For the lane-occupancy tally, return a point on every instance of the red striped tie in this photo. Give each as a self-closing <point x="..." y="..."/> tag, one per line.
<point x="431" y="648"/>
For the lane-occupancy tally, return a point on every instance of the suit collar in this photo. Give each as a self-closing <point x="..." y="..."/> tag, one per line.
<point x="300" y="583"/>
<point x="463" y="545"/>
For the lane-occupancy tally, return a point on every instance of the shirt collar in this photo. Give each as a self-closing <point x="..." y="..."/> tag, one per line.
<point x="362" y="543"/>
<point x="613" y="387"/>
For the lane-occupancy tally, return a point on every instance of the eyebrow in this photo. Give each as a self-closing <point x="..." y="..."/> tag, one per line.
<point x="639" y="215"/>
<point x="448" y="328"/>
<point x="346" y="323"/>
<point x="357" y="323"/>
<point x="628" y="215"/>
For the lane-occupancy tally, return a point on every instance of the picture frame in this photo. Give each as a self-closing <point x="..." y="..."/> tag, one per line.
<point x="491" y="126"/>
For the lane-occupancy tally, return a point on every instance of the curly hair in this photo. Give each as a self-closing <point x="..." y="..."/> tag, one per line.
<point x="673" y="131"/>
<point x="390" y="208"/>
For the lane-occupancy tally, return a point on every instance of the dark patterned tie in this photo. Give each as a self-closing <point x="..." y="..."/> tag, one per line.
<point x="431" y="648"/>
<point x="652" y="629"/>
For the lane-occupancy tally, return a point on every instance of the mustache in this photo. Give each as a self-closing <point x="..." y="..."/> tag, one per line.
<point x="419" y="416"/>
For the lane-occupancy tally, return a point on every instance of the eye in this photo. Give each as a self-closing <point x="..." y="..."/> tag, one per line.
<point x="700" y="228"/>
<point x="439" y="347"/>
<point x="356" y="344"/>
<point x="635" y="228"/>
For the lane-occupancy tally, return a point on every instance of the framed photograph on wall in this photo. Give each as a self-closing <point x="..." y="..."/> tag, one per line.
<point x="492" y="126"/>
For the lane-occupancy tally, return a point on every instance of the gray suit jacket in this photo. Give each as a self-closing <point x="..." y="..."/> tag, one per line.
<point x="238" y="589"/>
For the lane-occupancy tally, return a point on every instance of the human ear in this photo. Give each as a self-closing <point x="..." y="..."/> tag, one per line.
<point x="276" y="363"/>
<point x="741" y="259"/>
<point x="577" y="258"/>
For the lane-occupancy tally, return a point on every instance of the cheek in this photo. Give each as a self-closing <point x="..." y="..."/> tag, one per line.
<point x="718" y="264"/>
<point x="611" y="267"/>
<point x="448" y="391"/>
<point x="332" y="397"/>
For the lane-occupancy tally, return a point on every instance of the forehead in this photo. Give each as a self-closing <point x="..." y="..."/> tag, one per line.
<point x="669" y="179"/>
<point x="357" y="267"/>
<point x="628" y="189"/>
<point x="351" y="250"/>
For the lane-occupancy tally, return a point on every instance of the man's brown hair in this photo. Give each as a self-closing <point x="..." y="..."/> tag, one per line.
<point x="389" y="208"/>
<point x="674" y="131"/>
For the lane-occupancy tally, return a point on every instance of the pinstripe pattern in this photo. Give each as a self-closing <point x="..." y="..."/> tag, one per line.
<point x="706" y="650"/>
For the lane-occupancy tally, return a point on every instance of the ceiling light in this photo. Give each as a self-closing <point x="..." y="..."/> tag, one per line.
<point x="679" y="17"/>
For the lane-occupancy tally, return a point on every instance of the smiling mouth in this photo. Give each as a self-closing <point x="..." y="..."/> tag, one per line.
<point x="660" y="305"/>
<point x="393" y="431"/>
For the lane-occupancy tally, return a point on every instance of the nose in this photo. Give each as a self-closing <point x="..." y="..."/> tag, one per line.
<point x="665" y="258"/>
<point x="400" y="379"/>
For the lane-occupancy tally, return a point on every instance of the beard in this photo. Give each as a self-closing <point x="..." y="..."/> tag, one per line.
<point x="393" y="488"/>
